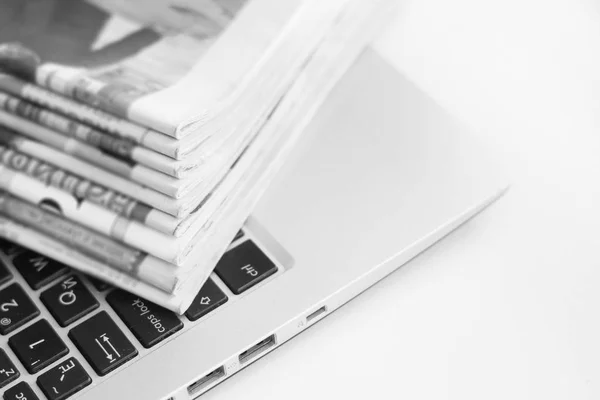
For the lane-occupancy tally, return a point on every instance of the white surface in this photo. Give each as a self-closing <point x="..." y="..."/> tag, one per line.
<point x="507" y="307"/>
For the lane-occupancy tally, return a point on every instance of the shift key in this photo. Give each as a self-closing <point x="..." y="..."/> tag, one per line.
<point x="149" y="322"/>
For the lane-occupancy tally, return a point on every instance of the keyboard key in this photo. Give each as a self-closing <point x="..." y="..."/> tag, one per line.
<point x="63" y="380"/>
<point x="38" y="270"/>
<point x="5" y="274"/>
<point x="100" y="286"/>
<point x="9" y="248"/>
<point x="8" y="371"/>
<point x="21" y="391"/>
<point x="37" y="346"/>
<point x="16" y="308"/>
<point x="69" y="300"/>
<point x="4" y="244"/>
<point x="244" y="266"/>
<point x="102" y="343"/>
<point x="208" y="299"/>
<point x="149" y="322"/>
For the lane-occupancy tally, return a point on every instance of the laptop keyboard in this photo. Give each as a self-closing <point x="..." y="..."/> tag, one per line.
<point x="62" y="332"/>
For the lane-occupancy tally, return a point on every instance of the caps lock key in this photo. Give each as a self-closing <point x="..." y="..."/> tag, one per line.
<point x="149" y="322"/>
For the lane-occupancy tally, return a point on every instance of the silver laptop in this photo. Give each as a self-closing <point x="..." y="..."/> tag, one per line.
<point x="381" y="174"/>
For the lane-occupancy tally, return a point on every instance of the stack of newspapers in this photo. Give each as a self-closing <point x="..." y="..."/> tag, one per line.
<point x="136" y="136"/>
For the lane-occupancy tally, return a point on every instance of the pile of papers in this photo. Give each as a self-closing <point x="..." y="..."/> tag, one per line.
<point x="135" y="136"/>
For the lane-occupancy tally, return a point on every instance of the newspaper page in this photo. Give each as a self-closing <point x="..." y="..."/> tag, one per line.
<point x="110" y="53"/>
<point x="127" y="50"/>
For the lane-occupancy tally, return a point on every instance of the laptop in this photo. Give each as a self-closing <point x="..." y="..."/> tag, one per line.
<point x="381" y="174"/>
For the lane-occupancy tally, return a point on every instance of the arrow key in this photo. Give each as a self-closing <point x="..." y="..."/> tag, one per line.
<point x="208" y="299"/>
<point x="102" y="343"/>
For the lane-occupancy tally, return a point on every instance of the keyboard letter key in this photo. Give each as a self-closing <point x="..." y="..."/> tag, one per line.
<point x="8" y="371"/>
<point x="69" y="300"/>
<point x="37" y="346"/>
<point x="38" y="270"/>
<point x="63" y="380"/>
<point x="10" y="249"/>
<point x="16" y="308"/>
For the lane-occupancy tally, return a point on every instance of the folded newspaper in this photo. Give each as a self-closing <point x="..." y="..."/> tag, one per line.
<point x="136" y="136"/>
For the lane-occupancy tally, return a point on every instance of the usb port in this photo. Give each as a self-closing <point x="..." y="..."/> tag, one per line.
<point x="316" y="314"/>
<point x="257" y="349"/>
<point x="206" y="381"/>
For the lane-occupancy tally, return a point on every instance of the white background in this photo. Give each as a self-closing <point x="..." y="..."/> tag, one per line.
<point x="508" y="307"/>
